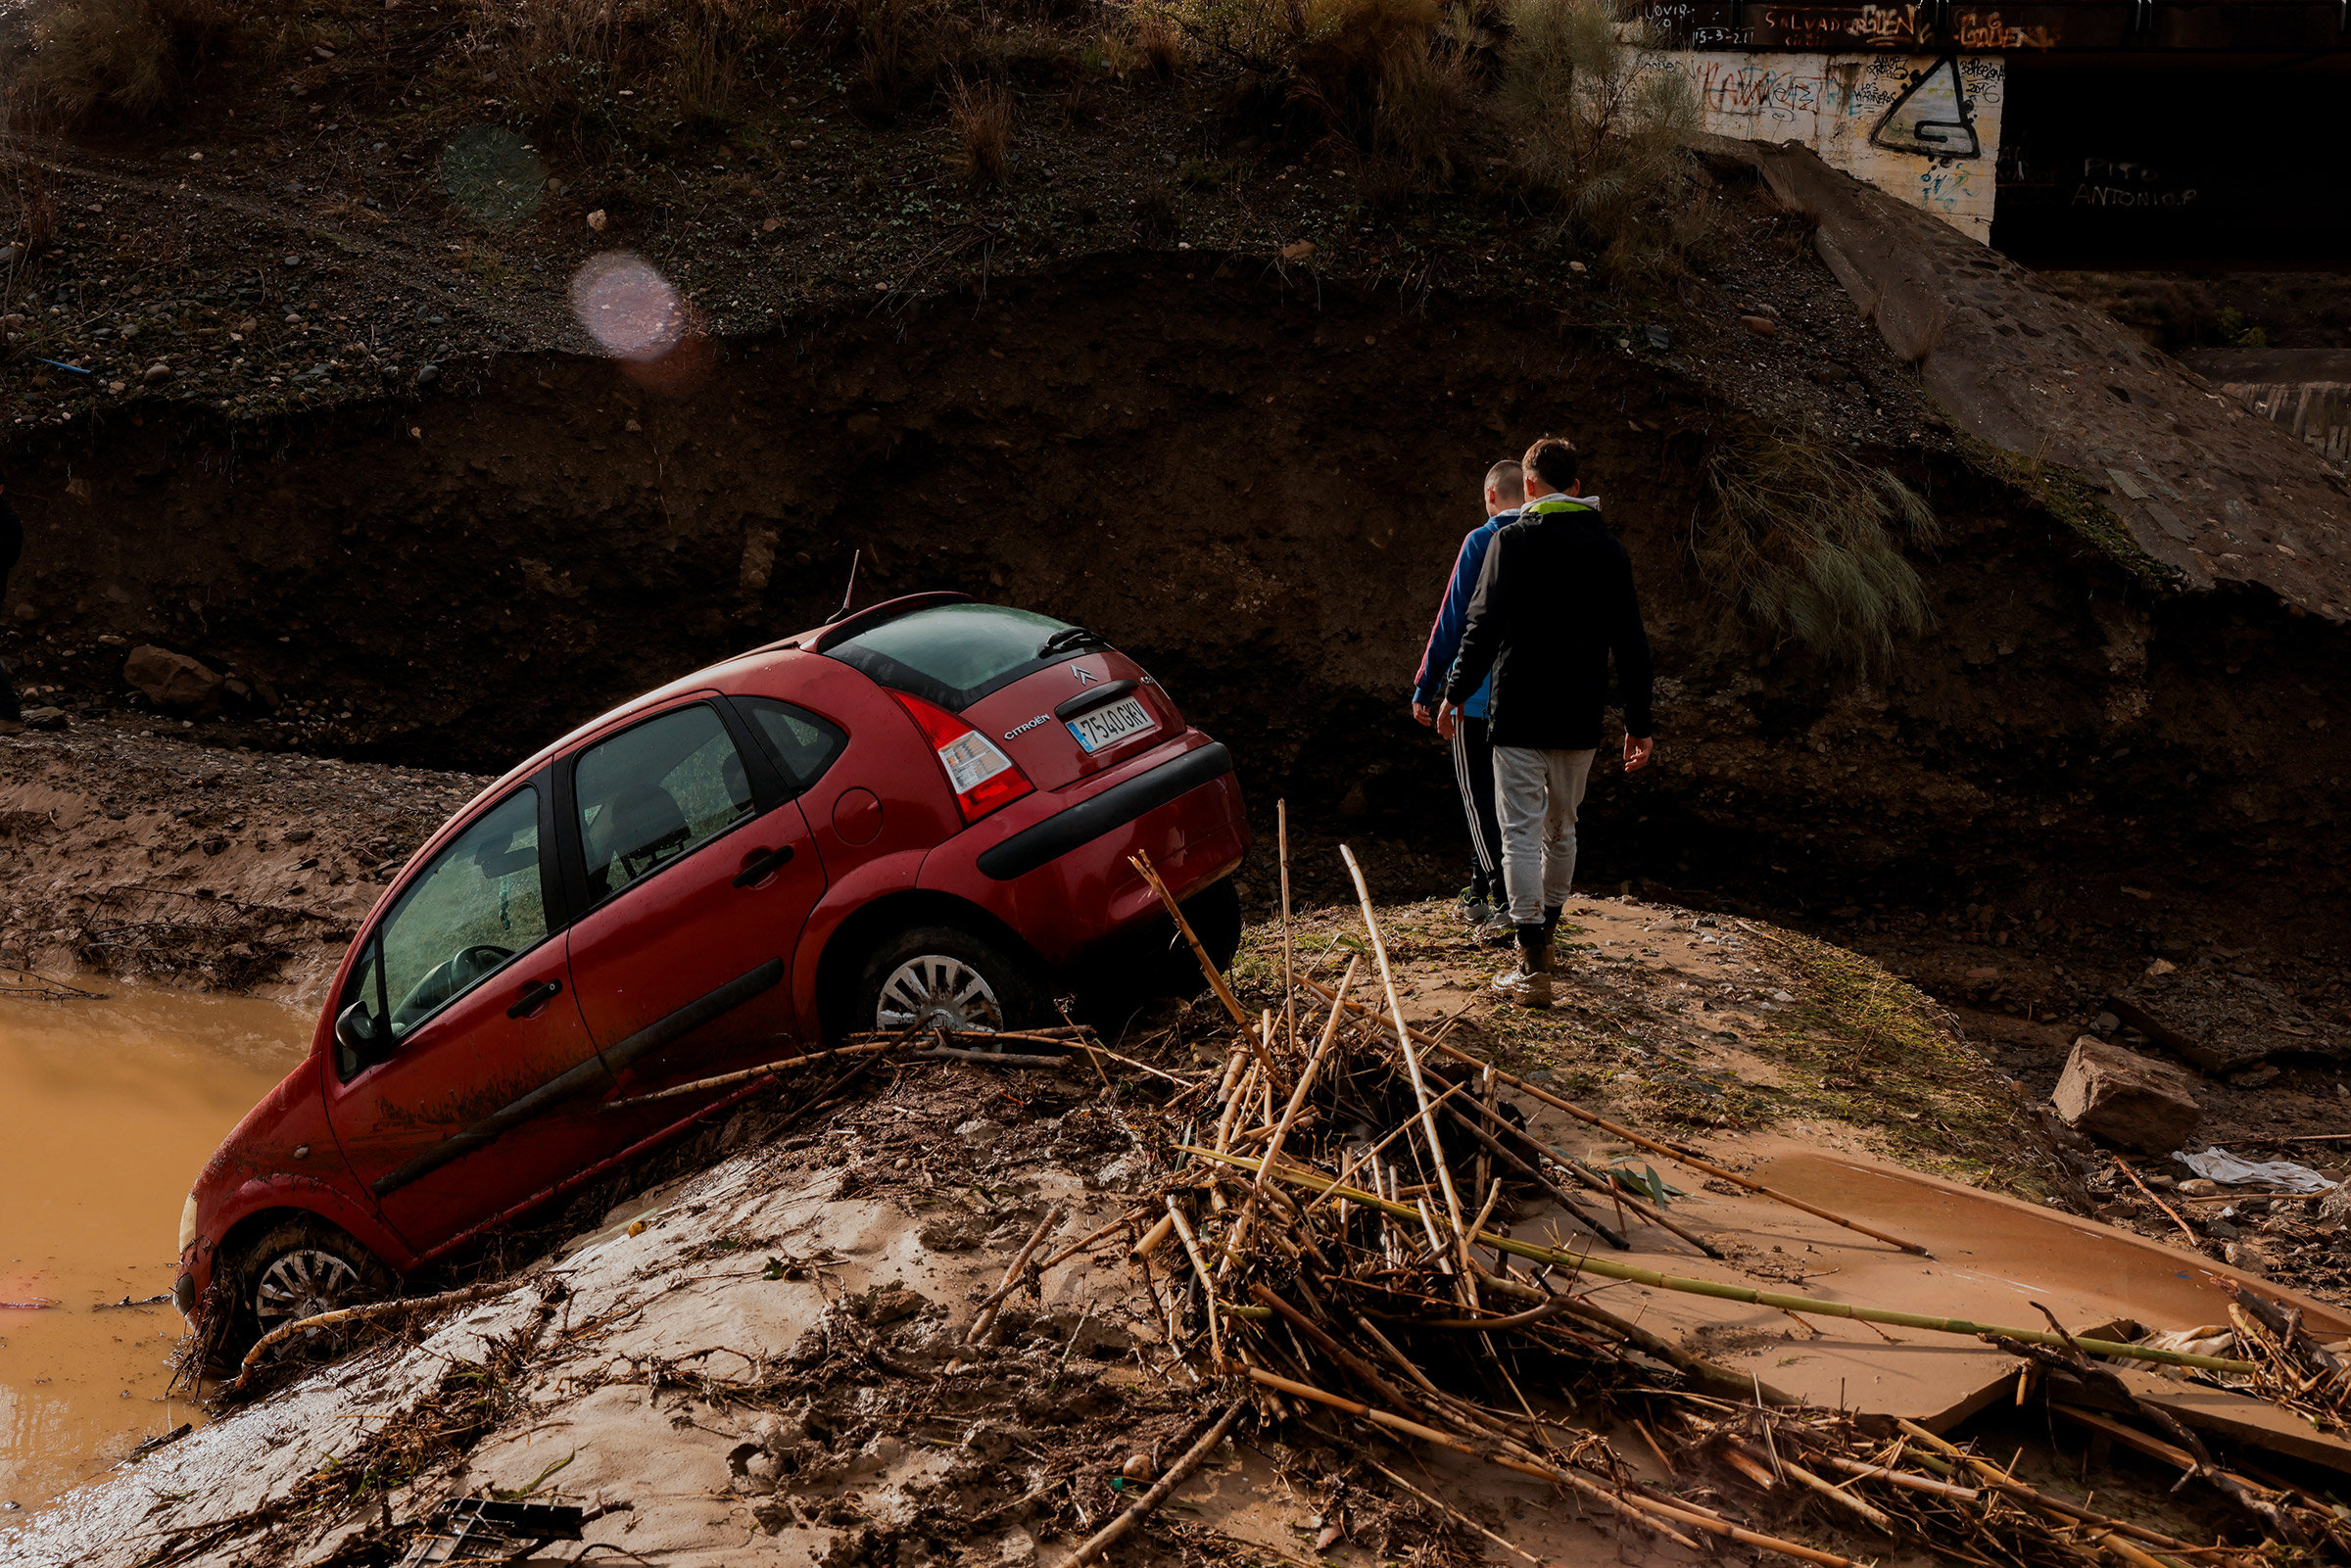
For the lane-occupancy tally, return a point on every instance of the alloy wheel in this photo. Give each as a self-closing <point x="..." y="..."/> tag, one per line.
<point x="935" y="991"/>
<point x="302" y="1283"/>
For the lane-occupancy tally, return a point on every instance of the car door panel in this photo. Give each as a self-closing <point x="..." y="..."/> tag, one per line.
<point x="679" y="961"/>
<point x="477" y="1089"/>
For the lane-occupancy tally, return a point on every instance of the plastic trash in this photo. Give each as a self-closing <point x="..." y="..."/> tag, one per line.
<point x="2219" y="1164"/>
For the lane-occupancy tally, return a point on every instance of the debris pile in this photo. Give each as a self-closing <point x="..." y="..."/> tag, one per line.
<point x="1340" y="1250"/>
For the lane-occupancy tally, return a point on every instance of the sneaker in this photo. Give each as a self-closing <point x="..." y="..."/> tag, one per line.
<point x="1473" y="910"/>
<point x="1496" y="930"/>
<point x="1525" y="985"/>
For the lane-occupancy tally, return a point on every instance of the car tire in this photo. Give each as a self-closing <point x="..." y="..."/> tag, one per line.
<point x="297" y="1268"/>
<point x="943" y="973"/>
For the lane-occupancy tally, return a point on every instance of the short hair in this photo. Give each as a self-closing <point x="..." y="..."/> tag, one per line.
<point x="1506" y="480"/>
<point x="1553" y="460"/>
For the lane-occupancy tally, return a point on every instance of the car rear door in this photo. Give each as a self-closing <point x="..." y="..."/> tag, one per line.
<point x="695" y="871"/>
<point x="464" y="1070"/>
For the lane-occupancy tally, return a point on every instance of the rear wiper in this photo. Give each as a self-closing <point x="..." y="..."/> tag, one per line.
<point x="1068" y="638"/>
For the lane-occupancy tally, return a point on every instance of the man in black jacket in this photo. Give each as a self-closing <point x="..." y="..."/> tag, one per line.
<point x="12" y="548"/>
<point x="1555" y="602"/>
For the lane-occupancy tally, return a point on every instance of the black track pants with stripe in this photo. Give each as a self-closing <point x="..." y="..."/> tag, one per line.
<point x="1473" y="769"/>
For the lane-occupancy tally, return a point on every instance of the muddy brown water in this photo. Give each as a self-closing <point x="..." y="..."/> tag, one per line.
<point x="112" y="1106"/>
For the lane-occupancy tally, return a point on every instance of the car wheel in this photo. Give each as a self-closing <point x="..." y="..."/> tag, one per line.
<point x="941" y="976"/>
<point x="299" y="1269"/>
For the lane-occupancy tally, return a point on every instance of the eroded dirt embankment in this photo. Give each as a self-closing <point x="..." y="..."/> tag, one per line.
<point x="1257" y="491"/>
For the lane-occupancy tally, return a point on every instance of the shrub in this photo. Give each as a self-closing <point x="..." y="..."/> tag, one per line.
<point x="1374" y="71"/>
<point x="131" y="57"/>
<point x="1809" y="543"/>
<point x="983" y="117"/>
<point x="1605" y="136"/>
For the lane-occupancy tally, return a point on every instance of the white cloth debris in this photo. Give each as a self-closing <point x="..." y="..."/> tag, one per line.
<point x="2219" y="1164"/>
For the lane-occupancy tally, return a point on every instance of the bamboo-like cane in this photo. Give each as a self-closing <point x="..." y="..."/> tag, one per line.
<point x="1315" y="1181"/>
<point x="1208" y="1283"/>
<point x="1411" y="1062"/>
<point x="1289" y="987"/>
<point x="1614" y="1129"/>
<point x="1208" y="965"/>
<point x="1289" y="1118"/>
<point x="463" y="1295"/>
<point x="985" y="1318"/>
<point x="1650" y="1511"/>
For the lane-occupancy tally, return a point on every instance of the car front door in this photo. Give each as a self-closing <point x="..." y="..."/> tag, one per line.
<point x="695" y="871"/>
<point x="464" y="1074"/>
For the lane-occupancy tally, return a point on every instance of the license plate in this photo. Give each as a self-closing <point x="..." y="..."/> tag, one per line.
<point x="1110" y="724"/>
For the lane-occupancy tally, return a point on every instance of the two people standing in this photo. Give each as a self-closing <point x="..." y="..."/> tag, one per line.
<point x="1552" y="606"/>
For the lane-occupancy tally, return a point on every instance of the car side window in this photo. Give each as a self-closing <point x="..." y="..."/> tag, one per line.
<point x="479" y="903"/>
<point x="652" y="794"/>
<point x="802" y="744"/>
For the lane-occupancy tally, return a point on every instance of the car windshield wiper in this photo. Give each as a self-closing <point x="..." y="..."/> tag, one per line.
<point x="1068" y="638"/>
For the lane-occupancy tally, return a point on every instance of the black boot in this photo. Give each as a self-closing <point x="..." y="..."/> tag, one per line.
<point x="1550" y="925"/>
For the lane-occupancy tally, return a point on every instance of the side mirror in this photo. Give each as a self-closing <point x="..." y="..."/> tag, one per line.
<point x="356" y="1031"/>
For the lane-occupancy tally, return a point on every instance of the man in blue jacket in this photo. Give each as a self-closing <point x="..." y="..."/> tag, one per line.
<point x="1554" y="608"/>
<point x="1473" y="756"/>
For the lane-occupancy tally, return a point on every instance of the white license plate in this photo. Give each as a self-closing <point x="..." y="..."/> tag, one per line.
<point x="1109" y="725"/>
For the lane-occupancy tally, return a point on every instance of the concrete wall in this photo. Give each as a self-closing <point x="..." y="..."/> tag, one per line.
<point x="1838" y="105"/>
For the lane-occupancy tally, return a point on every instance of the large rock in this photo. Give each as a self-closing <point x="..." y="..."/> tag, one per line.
<point x="173" y="680"/>
<point x="2126" y="1098"/>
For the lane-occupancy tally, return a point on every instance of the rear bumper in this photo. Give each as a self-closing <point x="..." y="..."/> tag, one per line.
<point x="1057" y="870"/>
<point x="1099" y="814"/>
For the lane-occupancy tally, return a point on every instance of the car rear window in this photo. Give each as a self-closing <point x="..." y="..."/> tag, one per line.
<point x="955" y="655"/>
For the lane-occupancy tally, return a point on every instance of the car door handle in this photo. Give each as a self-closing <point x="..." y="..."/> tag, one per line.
<point x="537" y="997"/>
<point x="760" y="865"/>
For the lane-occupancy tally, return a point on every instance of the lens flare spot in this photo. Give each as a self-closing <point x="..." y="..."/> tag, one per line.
<point x="629" y="307"/>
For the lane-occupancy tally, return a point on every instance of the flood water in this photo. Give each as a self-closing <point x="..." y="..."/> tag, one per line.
<point x="111" y="1108"/>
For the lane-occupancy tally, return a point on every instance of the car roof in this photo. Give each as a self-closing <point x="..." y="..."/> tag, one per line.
<point x="727" y="675"/>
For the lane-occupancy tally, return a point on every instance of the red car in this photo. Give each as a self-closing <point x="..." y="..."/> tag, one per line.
<point x="919" y="813"/>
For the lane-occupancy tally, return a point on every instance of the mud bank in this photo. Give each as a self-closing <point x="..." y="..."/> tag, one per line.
<point x="1256" y="491"/>
<point x="768" y="1353"/>
<point x="211" y="867"/>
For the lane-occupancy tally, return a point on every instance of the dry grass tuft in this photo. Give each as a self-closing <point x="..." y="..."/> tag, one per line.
<point x="1809" y="542"/>
<point x="981" y="114"/>
<point x="130" y="59"/>
<point x="1607" y="139"/>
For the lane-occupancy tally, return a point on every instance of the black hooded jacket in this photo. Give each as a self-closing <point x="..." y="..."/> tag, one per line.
<point x="1555" y="602"/>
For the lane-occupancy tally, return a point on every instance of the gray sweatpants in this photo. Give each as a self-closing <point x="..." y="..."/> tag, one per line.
<point x="1536" y="794"/>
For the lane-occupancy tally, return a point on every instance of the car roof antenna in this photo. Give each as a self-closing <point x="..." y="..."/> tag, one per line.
<point x="851" y="592"/>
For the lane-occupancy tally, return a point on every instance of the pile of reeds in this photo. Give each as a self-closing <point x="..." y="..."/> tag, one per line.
<point x="1337" y="1253"/>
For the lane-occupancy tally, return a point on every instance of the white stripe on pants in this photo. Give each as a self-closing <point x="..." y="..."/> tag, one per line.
<point x="1536" y="794"/>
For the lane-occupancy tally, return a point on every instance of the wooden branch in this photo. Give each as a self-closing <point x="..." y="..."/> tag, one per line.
<point x="460" y="1297"/>
<point x="1180" y="1472"/>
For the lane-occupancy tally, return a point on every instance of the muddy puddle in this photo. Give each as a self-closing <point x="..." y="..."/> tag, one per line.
<point x="112" y="1105"/>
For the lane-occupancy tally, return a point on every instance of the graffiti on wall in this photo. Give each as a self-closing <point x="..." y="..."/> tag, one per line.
<point x="1924" y="128"/>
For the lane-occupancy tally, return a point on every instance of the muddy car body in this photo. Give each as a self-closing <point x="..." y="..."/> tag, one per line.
<point x="921" y="813"/>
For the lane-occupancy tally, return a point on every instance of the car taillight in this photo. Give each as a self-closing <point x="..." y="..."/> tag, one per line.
<point x="982" y="778"/>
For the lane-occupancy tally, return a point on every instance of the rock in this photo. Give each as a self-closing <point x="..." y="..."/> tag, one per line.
<point x="1578" y="268"/>
<point x="45" y="719"/>
<point x="1138" y="1467"/>
<point x="2247" y="1257"/>
<point x="888" y="1305"/>
<point x="1762" y="326"/>
<point x="2199" y="1187"/>
<point x="426" y="375"/>
<point x="1299" y="250"/>
<point x="2224" y="1021"/>
<point x="157" y="372"/>
<point x="2220" y="1229"/>
<point x="2126" y="1098"/>
<point x="597" y="220"/>
<point x="2104" y="1024"/>
<point x="173" y="681"/>
<point x="118" y="388"/>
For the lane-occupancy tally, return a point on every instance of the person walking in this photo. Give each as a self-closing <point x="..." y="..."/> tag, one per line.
<point x="1555" y="604"/>
<point x="12" y="551"/>
<point x="1472" y="754"/>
